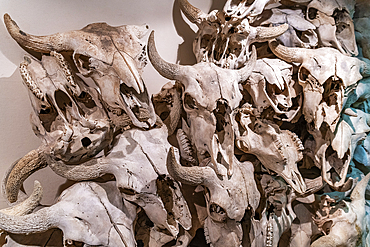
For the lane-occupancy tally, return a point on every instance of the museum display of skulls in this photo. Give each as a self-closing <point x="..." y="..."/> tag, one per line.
<point x="263" y="141"/>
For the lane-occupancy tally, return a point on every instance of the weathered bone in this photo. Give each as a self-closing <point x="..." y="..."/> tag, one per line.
<point x="223" y="40"/>
<point x="269" y="143"/>
<point x="27" y="165"/>
<point x="348" y="221"/>
<point x="227" y="198"/>
<point x="334" y="25"/>
<point x="165" y="207"/>
<point x="79" y="213"/>
<point x="207" y="104"/>
<point x="123" y="55"/>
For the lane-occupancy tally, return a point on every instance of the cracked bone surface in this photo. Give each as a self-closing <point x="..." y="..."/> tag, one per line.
<point x="210" y="95"/>
<point x="113" y="57"/>
<point x="224" y="38"/>
<point x="268" y="142"/>
<point x="334" y="24"/>
<point x="254" y="145"/>
<point x="226" y="198"/>
<point x="84" y="213"/>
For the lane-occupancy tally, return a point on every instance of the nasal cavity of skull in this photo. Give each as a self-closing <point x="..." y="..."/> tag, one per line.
<point x="206" y="41"/>
<point x="63" y="101"/>
<point x="86" y="99"/>
<point x="217" y="213"/>
<point x="47" y="116"/>
<point x="220" y="114"/>
<point x="220" y="49"/>
<point x="274" y="92"/>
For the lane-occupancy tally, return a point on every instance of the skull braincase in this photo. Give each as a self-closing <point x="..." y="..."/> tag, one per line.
<point x="224" y="39"/>
<point x="271" y="84"/>
<point x="210" y="95"/>
<point x="264" y="139"/>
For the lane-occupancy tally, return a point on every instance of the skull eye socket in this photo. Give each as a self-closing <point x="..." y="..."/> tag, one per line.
<point x="217" y="213"/>
<point x="189" y="102"/>
<point x="312" y="13"/>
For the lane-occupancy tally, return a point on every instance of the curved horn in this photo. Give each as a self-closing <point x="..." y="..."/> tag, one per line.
<point x="167" y="70"/>
<point x="55" y="42"/>
<point x="246" y="71"/>
<point x="89" y="170"/>
<point x="189" y="175"/>
<point x="39" y="221"/>
<point x="28" y="205"/>
<point x="192" y="13"/>
<point x="267" y="33"/>
<point x="288" y="54"/>
<point x="27" y="165"/>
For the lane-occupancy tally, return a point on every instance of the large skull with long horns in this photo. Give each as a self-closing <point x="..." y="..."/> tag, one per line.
<point x="227" y="198"/>
<point x="87" y="214"/>
<point x="223" y="38"/>
<point x="112" y="56"/>
<point x="210" y="95"/>
<point x="323" y="84"/>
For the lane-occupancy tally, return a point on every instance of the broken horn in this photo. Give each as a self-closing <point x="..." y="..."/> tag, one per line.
<point x="192" y="13"/>
<point x="194" y="175"/>
<point x="365" y="67"/>
<point x="358" y="193"/>
<point x="167" y="70"/>
<point x="54" y="42"/>
<point x="246" y="71"/>
<point x="287" y="54"/>
<point x="26" y="166"/>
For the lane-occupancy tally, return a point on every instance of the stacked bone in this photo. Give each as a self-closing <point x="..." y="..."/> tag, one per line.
<point x="272" y="138"/>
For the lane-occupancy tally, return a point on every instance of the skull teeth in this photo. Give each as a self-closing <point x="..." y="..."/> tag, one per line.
<point x="206" y="235"/>
<point x="296" y="140"/>
<point x="65" y="67"/>
<point x="185" y="146"/>
<point x="25" y="74"/>
<point x="280" y="148"/>
<point x="269" y="235"/>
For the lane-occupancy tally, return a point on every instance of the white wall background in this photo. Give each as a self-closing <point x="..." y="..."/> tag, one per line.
<point x="41" y="17"/>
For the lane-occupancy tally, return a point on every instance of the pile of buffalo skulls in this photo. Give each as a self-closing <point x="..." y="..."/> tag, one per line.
<point x="263" y="142"/>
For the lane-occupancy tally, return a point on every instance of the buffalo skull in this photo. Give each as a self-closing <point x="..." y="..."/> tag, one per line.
<point x="209" y="97"/>
<point x="225" y="40"/>
<point x="112" y="56"/>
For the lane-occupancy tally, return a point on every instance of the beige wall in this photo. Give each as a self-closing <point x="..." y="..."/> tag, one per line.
<point x="174" y="42"/>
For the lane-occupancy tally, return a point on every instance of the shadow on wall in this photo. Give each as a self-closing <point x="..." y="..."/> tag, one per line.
<point x="184" y="54"/>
